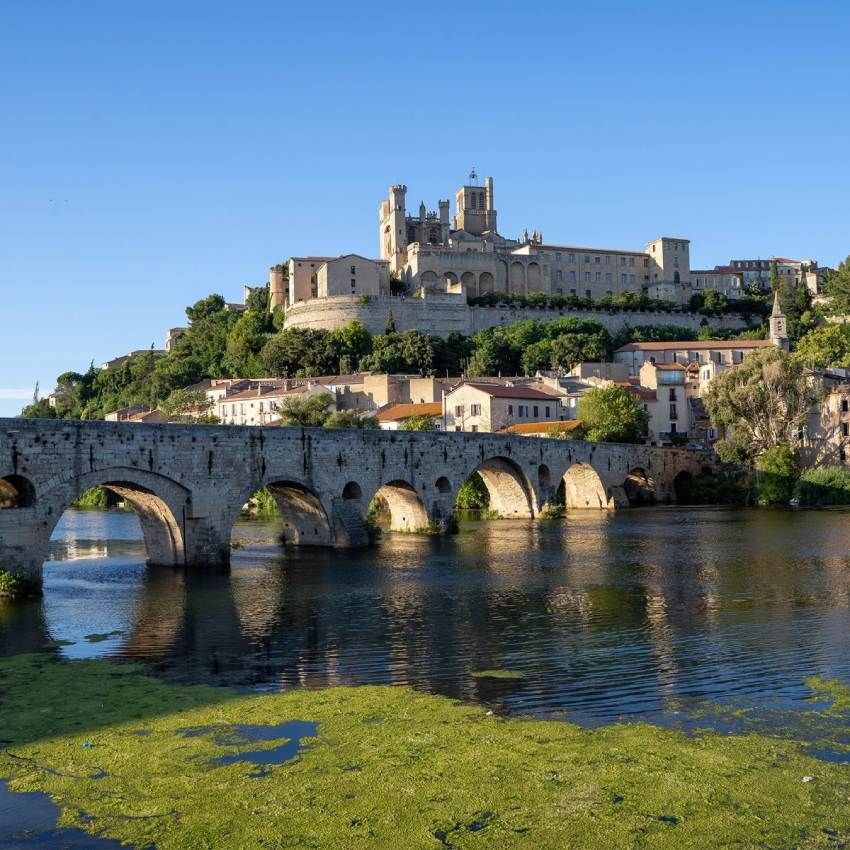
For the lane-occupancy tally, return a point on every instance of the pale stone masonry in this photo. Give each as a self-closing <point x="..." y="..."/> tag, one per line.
<point x="188" y="483"/>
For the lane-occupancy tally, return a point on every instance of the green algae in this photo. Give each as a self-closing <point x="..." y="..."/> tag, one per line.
<point x="97" y="637"/>
<point x="433" y="773"/>
<point x="498" y="674"/>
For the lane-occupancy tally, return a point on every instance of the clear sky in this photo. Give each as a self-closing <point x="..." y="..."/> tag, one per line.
<point x="154" y="152"/>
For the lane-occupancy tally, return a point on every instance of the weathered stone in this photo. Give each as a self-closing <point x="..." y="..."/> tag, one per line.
<point x="188" y="483"/>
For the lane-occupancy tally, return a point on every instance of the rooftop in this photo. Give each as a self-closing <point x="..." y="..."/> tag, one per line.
<point x="501" y="391"/>
<point x="541" y="427"/>
<point x="405" y="411"/>
<point x="696" y="345"/>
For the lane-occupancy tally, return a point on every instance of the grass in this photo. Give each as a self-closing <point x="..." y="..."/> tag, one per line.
<point x="391" y="767"/>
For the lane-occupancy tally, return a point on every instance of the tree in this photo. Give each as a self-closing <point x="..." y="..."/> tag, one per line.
<point x="613" y="415"/>
<point x="307" y="411"/>
<point x="777" y="473"/>
<point x="760" y="404"/>
<point x="827" y="345"/>
<point x="349" y="419"/>
<point x="40" y="409"/>
<point x="390" y="329"/>
<point x="836" y="285"/>
<point x="183" y="405"/>
<point x="418" y="423"/>
<point x="351" y="343"/>
<point x="205" y="307"/>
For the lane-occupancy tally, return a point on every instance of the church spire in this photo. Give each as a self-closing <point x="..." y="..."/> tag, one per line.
<point x="778" y="328"/>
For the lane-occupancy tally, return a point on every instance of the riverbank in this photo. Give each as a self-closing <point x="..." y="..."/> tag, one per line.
<point x="126" y="756"/>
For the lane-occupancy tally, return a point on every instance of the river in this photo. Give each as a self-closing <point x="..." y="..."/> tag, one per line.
<point x="638" y="614"/>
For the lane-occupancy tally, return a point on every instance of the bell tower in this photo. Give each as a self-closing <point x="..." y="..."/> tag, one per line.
<point x="778" y="327"/>
<point x="391" y="227"/>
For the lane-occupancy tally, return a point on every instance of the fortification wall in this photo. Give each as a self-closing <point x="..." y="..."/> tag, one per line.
<point x="443" y="314"/>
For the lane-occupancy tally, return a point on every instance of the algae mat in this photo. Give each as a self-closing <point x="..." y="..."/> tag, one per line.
<point x="128" y="757"/>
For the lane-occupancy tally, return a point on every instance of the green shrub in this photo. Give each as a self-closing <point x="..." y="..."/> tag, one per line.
<point x="709" y="489"/>
<point x="824" y="485"/>
<point x="10" y="585"/>
<point x="473" y="494"/>
<point x="776" y="475"/>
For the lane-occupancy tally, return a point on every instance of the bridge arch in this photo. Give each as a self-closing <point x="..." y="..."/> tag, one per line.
<point x="160" y="503"/>
<point x="583" y="488"/>
<point x="399" y="501"/>
<point x="16" y="491"/>
<point x="305" y="521"/>
<point x="639" y="487"/>
<point x="512" y="495"/>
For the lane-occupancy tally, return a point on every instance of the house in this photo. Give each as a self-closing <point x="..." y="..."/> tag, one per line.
<point x="481" y="406"/>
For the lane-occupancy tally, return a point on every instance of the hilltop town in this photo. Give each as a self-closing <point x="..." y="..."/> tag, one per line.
<point x="455" y="327"/>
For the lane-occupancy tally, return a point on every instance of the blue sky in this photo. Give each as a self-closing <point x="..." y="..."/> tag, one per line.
<point x="152" y="153"/>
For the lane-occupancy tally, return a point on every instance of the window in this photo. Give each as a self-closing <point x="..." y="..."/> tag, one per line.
<point x="597" y="260"/>
<point x="587" y="277"/>
<point x="587" y="258"/>
<point x="622" y="261"/>
<point x="672" y="394"/>
<point x="510" y="410"/>
<point x="572" y="291"/>
<point x="572" y="278"/>
<point x="474" y="409"/>
<point x="646" y="263"/>
<point x="458" y="410"/>
<point x="523" y="410"/>
<point x="607" y="277"/>
<point x="598" y="277"/>
<point x="473" y="427"/>
<point x="353" y="284"/>
<point x="631" y="261"/>
<point x="587" y="293"/>
<point x="571" y="257"/>
<point x="674" y="414"/>
<point x="624" y="279"/>
<point x="547" y="411"/>
<point x="607" y="260"/>
<point x="844" y="406"/>
<point x="559" y="275"/>
<point x="632" y="279"/>
<point x="672" y="427"/>
<point x="354" y="269"/>
<point x="845" y="429"/>
<point x="557" y="257"/>
<point x="536" y="411"/>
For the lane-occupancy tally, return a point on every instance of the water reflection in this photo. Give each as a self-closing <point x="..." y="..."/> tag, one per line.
<point x="606" y="615"/>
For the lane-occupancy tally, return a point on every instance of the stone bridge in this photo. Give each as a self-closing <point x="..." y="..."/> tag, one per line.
<point x="188" y="483"/>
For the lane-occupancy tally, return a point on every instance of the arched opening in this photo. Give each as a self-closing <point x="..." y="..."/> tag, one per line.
<point x="510" y="493"/>
<point x="517" y="282"/>
<point x="396" y="506"/>
<point x="583" y="488"/>
<point x="468" y="281"/>
<point x="676" y="277"/>
<point x="639" y="487"/>
<point x="163" y="535"/>
<point x="428" y="280"/>
<point x="285" y="512"/>
<point x="156" y="502"/>
<point x="543" y="475"/>
<point x="352" y="490"/>
<point x="443" y="485"/>
<point x="16" y="492"/>
<point x="535" y="281"/>
<point x="485" y="283"/>
<point x="305" y="522"/>
<point x="682" y="487"/>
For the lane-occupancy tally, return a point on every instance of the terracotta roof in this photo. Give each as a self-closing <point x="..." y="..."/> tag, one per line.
<point x="406" y="411"/>
<point x="695" y="345"/>
<point x="500" y="391"/>
<point x="261" y="393"/>
<point x="541" y="427"/>
<point x="670" y="366"/>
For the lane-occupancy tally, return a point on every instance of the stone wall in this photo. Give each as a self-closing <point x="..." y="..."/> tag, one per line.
<point x="440" y="315"/>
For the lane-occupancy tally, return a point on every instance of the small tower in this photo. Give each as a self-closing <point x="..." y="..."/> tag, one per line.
<point x="778" y="328"/>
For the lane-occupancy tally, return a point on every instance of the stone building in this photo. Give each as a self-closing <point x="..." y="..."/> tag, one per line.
<point x="477" y="406"/>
